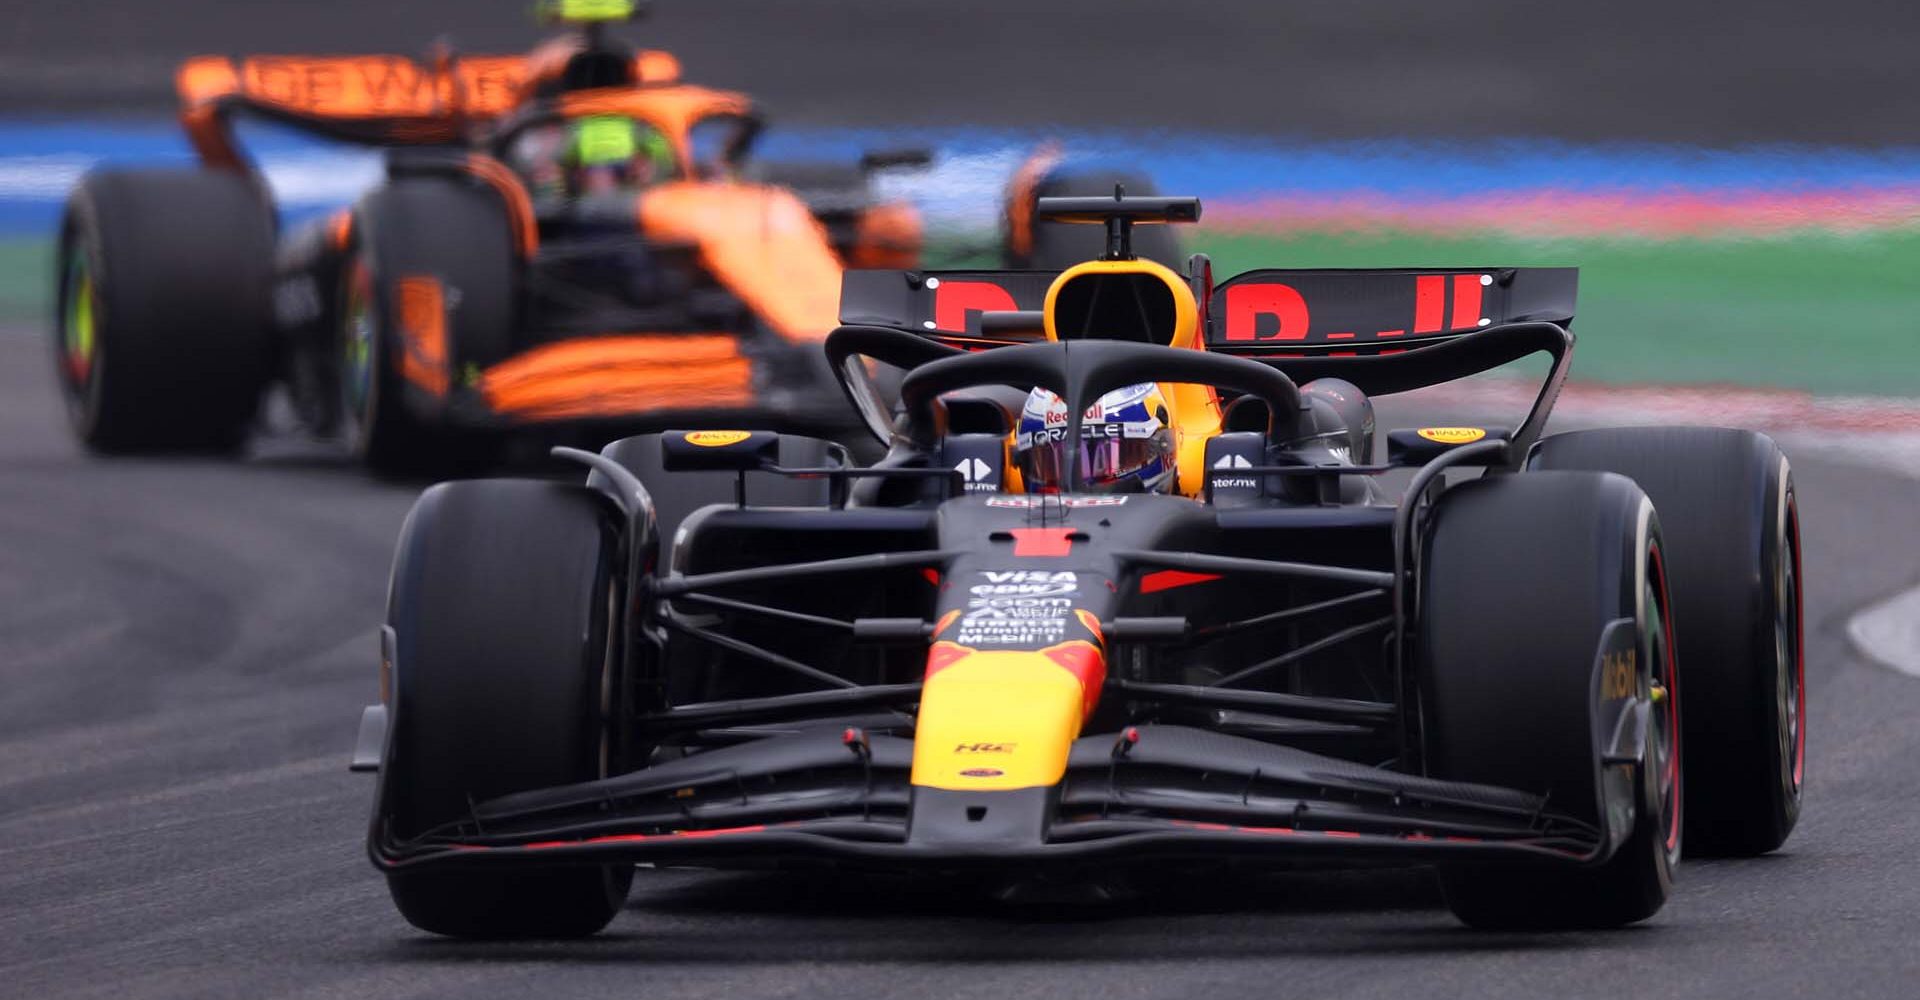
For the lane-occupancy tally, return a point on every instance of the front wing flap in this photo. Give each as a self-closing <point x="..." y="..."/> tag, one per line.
<point x="1169" y="792"/>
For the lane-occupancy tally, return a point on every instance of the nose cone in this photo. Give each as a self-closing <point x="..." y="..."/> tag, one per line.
<point x="992" y="740"/>
<point x="998" y="720"/>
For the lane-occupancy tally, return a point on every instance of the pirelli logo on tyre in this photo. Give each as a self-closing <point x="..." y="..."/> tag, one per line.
<point x="1452" y="435"/>
<point x="716" y="439"/>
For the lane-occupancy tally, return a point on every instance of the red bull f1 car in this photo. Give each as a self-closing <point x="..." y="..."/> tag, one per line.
<point x="572" y="238"/>
<point x="1540" y="665"/>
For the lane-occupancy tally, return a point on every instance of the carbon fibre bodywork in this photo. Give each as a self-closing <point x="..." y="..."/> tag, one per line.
<point x="919" y="664"/>
<point x="1217" y="704"/>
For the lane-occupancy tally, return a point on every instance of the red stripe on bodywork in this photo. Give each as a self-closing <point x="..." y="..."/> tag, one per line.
<point x="943" y="654"/>
<point x="1092" y="623"/>
<point x="1167" y="579"/>
<point x="1042" y="543"/>
<point x="641" y="838"/>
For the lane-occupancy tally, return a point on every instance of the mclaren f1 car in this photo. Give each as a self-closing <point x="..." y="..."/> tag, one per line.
<point x="1539" y="666"/>
<point x="573" y="237"/>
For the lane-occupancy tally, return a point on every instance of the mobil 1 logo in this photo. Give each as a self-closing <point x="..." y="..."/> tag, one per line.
<point x="1014" y="608"/>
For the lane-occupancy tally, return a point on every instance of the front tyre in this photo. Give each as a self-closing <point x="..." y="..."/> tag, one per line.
<point x="380" y="431"/>
<point x="1522" y="577"/>
<point x="501" y="601"/>
<point x="428" y="301"/>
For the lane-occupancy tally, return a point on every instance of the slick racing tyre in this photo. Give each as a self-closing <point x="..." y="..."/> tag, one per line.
<point x="1522" y="575"/>
<point x="1733" y="537"/>
<point x="427" y="300"/>
<point x="1057" y="246"/>
<point x="163" y="323"/>
<point x="500" y="603"/>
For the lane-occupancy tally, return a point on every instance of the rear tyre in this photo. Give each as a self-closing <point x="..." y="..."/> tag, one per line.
<point x="427" y="302"/>
<point x="1058" y="245"/>
<point x="500" y="604"/>
<point x="1508" y="700"/>
<point x="163" y="322"/>
<point x="1727" y="500"/>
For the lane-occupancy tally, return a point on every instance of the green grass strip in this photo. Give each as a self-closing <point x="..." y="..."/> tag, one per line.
<point x="26" y="281"/>
<point x="1830" y="313"/>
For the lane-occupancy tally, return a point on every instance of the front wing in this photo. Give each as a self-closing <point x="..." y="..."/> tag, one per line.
<point x="841" y="796"/>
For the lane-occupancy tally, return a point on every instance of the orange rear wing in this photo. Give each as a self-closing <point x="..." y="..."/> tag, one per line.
<point x="373" y="99"/>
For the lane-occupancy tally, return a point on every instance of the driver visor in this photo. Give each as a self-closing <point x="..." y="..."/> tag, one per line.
<point x="1108" y="452"/>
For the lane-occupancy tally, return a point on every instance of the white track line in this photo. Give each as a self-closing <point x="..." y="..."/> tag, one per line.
<point x="1889" y="632"/>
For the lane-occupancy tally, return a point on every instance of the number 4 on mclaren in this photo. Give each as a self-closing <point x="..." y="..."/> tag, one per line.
<point x="1540" y="677"/>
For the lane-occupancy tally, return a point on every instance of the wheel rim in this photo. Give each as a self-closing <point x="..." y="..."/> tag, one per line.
<point x="1664" y="753"/>
<point x="79" y="333"/>
<point x="1790" y="657"/>
<point x="357" y="351"/>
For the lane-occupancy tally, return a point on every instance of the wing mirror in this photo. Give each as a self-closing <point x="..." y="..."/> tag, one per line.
<point x="718" y="451"/>
<point x="1412" y="447"/>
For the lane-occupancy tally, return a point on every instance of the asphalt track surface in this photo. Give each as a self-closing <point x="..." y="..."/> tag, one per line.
<point x="185" y="646"/>
<point x="1690" y="71"/>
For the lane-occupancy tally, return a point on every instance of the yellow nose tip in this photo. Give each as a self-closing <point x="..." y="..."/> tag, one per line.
<point x="996" y="720"/>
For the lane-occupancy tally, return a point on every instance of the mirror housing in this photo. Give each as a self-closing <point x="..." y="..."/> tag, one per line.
<point x="1418" y="446"/>
<point x="718" y="451"/>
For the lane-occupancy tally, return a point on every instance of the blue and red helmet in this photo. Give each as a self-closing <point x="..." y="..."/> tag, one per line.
<point x="1125" y="444"/>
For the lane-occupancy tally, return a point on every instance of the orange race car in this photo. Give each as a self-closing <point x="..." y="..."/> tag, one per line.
<point x="571" y="237"/>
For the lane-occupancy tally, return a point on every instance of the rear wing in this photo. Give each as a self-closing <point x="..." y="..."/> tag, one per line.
<point x="372" y="99"/>
<point x="943" y="305"/>
<point x="1338" y="312"/>
<point x="1274" y="312"/>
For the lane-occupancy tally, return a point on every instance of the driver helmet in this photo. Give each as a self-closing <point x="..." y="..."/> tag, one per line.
<point x="612" y="153"/>
<point x="1125" y="444"/>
